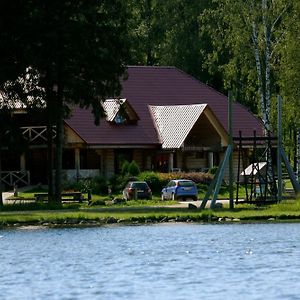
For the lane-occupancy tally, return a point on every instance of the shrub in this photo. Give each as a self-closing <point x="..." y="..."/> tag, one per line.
<point x="100" y="185"/>
<point x="154" y="181"/>
<point x="125" y="167"/>
<point x="118" y="182"/>
<point x="157" y="181"/>
<point x="213" y="170"/>
<point x="97" y="185"/>
<point x="133" y="168"/>
<point x="197" y="177"/>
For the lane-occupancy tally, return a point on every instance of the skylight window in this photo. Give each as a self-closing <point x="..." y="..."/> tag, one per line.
<point x="119" y="111"/>
<point x="119" y="119"/>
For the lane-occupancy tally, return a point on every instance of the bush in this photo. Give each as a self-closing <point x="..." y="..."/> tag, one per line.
<point x="125" y="167"/>
<point x="133" y="168"/>
<point x="118" y="182"/>
<point x="100" y="185"/>
<point x="154" y="181"/>
<point x="197" y="177"/>
<point x="213" y="170"/>
<point x="97" y="185"/>
<point x="157" y="181"/>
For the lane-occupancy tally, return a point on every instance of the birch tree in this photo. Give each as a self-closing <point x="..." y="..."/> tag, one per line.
<point x="289" y="82"/>
<point x="249" y="33"/>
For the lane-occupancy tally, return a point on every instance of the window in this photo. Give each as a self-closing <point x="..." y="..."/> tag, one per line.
<point x="119" y="119"/>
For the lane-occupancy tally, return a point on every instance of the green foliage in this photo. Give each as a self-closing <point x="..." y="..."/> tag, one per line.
<point x="78" y="49"/>
<point x="125" y="167"/>
<point x="157" y="181"/>
<point x="96" y="185"/>
<point x="154" y="181"/>
<point x="118" y="182"/>
<point x="98" y="202"/>
<point x="213" y="170"/>
<point x="133" y="168"/>
<point x="158" y="31"/>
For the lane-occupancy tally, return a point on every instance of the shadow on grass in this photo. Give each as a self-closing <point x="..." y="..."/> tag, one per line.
<point x="37" y="206"/>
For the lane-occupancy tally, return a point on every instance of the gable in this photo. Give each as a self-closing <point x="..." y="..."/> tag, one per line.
<point x="119" y="111"/>
<point x="72" y="137"/>
<point x="175" y="122"/>
<point x="159" y="86"/>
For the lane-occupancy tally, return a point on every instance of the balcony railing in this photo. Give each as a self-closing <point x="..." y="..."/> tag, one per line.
<point x="37" y="134"/>
<point x="12" y="178"/>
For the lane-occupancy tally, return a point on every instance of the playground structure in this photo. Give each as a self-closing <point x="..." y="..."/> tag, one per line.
<point x="263" y="184"/>
<point x="258" y="178"/>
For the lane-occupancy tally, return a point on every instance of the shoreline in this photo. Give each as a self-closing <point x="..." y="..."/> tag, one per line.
<point x="83" y="223"/>
<point x="84" y="216"/>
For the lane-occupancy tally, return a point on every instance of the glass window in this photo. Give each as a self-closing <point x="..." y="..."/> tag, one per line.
<point x="186" y="183"/>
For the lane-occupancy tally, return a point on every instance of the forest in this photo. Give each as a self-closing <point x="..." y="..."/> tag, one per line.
<point x="54" y="53"/>
<point x="251" y="47"/>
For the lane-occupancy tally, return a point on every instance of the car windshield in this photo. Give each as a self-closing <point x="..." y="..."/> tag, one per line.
<point x="185" y="183"/>
<point x="139" y="185"/>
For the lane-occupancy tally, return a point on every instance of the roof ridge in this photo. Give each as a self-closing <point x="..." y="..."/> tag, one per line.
<point x="150" y="67"/>
<point x="218" y="92"/>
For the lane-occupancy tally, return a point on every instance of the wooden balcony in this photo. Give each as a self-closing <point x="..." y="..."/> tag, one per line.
<point x="12" y="178"/>
<point x="37" y="134"/>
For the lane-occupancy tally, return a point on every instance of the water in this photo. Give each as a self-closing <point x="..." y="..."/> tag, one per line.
<point x="169" y="261"/>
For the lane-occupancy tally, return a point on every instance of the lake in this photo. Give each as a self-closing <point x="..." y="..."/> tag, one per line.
<point x="163" y="261"/>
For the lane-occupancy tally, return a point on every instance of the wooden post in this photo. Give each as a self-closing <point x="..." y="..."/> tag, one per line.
<point x="279" y="145"/>
<point x="298" y="155"/>
<point x="231" y="202"/>
<point x="210" y="159"/>
<point x="171" y="162"/>
<point x="23" y="162"/>
<point x="220" y="177"/>
<point x="77" y="162"/>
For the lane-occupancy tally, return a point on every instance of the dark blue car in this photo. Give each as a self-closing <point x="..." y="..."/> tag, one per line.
<point x="180" y="189"/>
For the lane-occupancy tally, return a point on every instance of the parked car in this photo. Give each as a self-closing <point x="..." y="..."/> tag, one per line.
<point x="180" y="189"/>
<point x="141" y="188"/>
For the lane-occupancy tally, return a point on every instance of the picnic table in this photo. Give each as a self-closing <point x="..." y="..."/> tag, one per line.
<point x="65" y="196"/>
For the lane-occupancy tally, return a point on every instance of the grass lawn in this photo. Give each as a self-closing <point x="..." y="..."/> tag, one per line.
<point x="136" y="212"/>
<point x="140" y="211"/>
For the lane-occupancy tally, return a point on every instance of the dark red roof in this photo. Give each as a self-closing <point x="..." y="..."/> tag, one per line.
<point x="159" y="86"/>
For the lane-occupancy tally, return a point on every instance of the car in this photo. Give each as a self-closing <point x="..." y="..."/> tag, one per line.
<point x="180" y="189"/>
<point x="138" y="190"/>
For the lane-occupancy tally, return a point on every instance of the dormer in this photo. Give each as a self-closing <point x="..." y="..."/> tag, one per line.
<point x="120" y="112"/>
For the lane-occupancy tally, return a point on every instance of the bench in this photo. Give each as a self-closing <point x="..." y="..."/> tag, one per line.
<point x="65" y="196"/>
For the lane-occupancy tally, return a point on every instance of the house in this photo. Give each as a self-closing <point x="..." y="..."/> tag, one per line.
<point x="164" y="119"/>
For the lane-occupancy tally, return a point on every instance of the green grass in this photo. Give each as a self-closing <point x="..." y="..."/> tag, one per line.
<point x="202" y="188"/>
<point x="141" y="211"/>
<point x="287" y="210"/>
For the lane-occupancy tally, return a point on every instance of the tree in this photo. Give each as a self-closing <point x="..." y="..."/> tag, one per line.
<point x="167" y="33"/>
<point x="182" y="46"/>
<point x="248" y="34"/>
<point x="146" y="30"/>
<point x="289" y="80"/>
<point x="11" y="137"/>
<point x="78" y="48"/>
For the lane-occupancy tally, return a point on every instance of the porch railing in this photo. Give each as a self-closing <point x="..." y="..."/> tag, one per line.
<point x="12" y="178"/>
<point x="37" y="133"/>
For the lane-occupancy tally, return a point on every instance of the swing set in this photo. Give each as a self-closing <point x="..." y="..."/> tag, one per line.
<point x="262" y="179"/>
